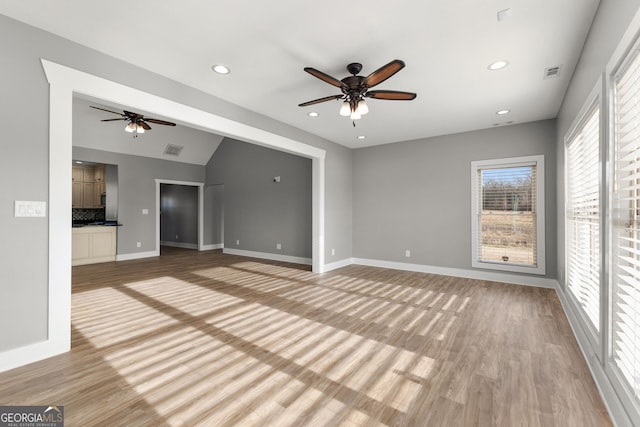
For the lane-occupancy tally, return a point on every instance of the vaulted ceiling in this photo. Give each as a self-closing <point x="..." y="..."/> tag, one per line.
<point x="447" y="47"/>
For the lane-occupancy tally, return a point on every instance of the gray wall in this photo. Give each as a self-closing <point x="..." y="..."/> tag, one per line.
<point x="416" y="195"/>
<point x="179" y="214"/>
<point x="137" y="191"/>
<point x="258" y="211"/>
<point x="214" y="215"/>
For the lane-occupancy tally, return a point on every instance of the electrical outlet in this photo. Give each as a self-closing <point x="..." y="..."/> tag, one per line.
<point x="333" y="251"/>
<point x="138" y="244"/>
<point x="177" y="237"/>
<point x="145" y="211"/>
<point x="278" y="246"/>
<point x="237" y="242"/>
<point x="407" y="253"/>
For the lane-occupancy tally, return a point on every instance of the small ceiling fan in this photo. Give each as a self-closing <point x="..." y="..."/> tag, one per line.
<point x="355" y="88"/>
<point x="137" y="122"/>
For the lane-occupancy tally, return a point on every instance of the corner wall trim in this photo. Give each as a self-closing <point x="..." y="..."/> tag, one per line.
<point x="212" y="247"/>
<point x="338" y="264"/>
<point x="269" y="256"/>
<point x="136" y="255"/>
<point x="514" y="279"/>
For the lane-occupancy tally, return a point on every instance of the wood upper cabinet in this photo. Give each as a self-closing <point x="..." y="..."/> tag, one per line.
<point x="98" y="173"/>
<point x="77" y="198"/>
<point x="89" y="174"/>
<point x="88" y="185"/>
<point x="89" y="195"/>
<point x="77" y="174"/>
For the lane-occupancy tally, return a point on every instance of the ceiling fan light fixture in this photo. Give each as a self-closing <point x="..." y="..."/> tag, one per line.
<point x="130" y="127"/>
<point x="139" y="129"/>
<point x="345" y="110"/>
<point x="355" y="115"/>
<point x="363" y="108"/>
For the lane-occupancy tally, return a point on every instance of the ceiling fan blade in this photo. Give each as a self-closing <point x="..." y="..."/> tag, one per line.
<point x="159" y="122"/>
<point x="325" y="77"/>
<point x="390" y="94"/>
<point x="108" y="111"/>
<point x="132" y="116"/>
<point x="317" y="101"/>
<point x="114" y="120"/>
<point x="383" y="73"/>
<point x="143" y="124"/>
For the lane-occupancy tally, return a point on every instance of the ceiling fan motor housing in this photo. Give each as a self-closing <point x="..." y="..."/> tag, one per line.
<point x="354" y="68"/>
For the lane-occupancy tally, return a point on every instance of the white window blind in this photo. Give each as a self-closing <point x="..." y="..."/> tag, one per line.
<point x="625" y="262"/>
<point x="583" y="217"/>
<point x="507" y="228"/>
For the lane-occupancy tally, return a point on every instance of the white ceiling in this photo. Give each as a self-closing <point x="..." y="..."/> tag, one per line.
<point x="446" y="45"/>
<point x="90" y="132"/>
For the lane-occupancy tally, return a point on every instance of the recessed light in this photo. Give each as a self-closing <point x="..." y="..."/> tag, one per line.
<point x="503" y="112"/>
<point x="498" y="65"/>
<point x="361" y="137"/>
<point x="313" y="114"/>
<point x="221" y="69"/>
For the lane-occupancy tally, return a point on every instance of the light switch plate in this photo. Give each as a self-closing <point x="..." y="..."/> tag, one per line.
<point x="32" y="209"/>
<point x="145" y="211"/>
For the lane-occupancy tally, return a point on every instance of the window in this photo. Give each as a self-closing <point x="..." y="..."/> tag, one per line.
<point x="583" y="254"/>
<point x="508" y="214"/>
<point x="625" y="226"/>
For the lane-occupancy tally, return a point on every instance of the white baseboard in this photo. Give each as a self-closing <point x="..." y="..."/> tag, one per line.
<point x="212" y="247"/>
<point x="29" y="353"/>
<point x="609" y="397"/>
<point x="179" y="245"/>
<point x="337" y="264"/>
<point x="269" y="256"/>
<point x="137" y="255"/>
<point x="541" y="282"/>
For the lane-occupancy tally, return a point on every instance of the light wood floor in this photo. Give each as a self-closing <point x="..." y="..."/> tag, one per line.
<point x="217" y="340"/>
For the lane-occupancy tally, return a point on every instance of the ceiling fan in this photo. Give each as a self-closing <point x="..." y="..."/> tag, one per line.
<point x="355" y="88"/>
<point x="137" y="122"/>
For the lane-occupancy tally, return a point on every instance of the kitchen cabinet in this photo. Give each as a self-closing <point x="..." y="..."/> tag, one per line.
<point x="77" y="174"/>
<point x="89" y="195"/>
<point x="77" y="199"/>
<point x="88" y="185"/>
<point x="98" y="173"/>
<point x="93" y="244"/>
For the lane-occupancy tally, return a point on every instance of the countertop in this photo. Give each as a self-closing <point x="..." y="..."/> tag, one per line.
<point x="78" y="224"/>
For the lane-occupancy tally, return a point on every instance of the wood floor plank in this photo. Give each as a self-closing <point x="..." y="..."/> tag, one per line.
<point x="203" y="338"/>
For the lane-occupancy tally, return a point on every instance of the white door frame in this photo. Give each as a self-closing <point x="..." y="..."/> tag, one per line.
<point x="200" y="186"/>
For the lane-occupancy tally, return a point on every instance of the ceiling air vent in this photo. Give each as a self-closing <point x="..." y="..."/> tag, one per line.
<point x="551" y="72"/>
<point x="173" y="150"/>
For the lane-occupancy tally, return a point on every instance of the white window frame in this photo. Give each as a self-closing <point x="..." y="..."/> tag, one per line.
<point x="620" y="59"/>
<point x="478" y="165"/>
<point x="594" y="101"/>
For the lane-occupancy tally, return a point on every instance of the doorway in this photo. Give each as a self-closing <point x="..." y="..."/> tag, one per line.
<point x="185" y="197"/>
<point x="178" y="216"/>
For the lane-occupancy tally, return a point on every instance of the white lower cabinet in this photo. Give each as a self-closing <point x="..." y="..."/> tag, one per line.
<point x="93" y="244"/>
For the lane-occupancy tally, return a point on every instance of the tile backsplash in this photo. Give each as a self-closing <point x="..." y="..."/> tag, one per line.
<point x="84" y="214"/>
